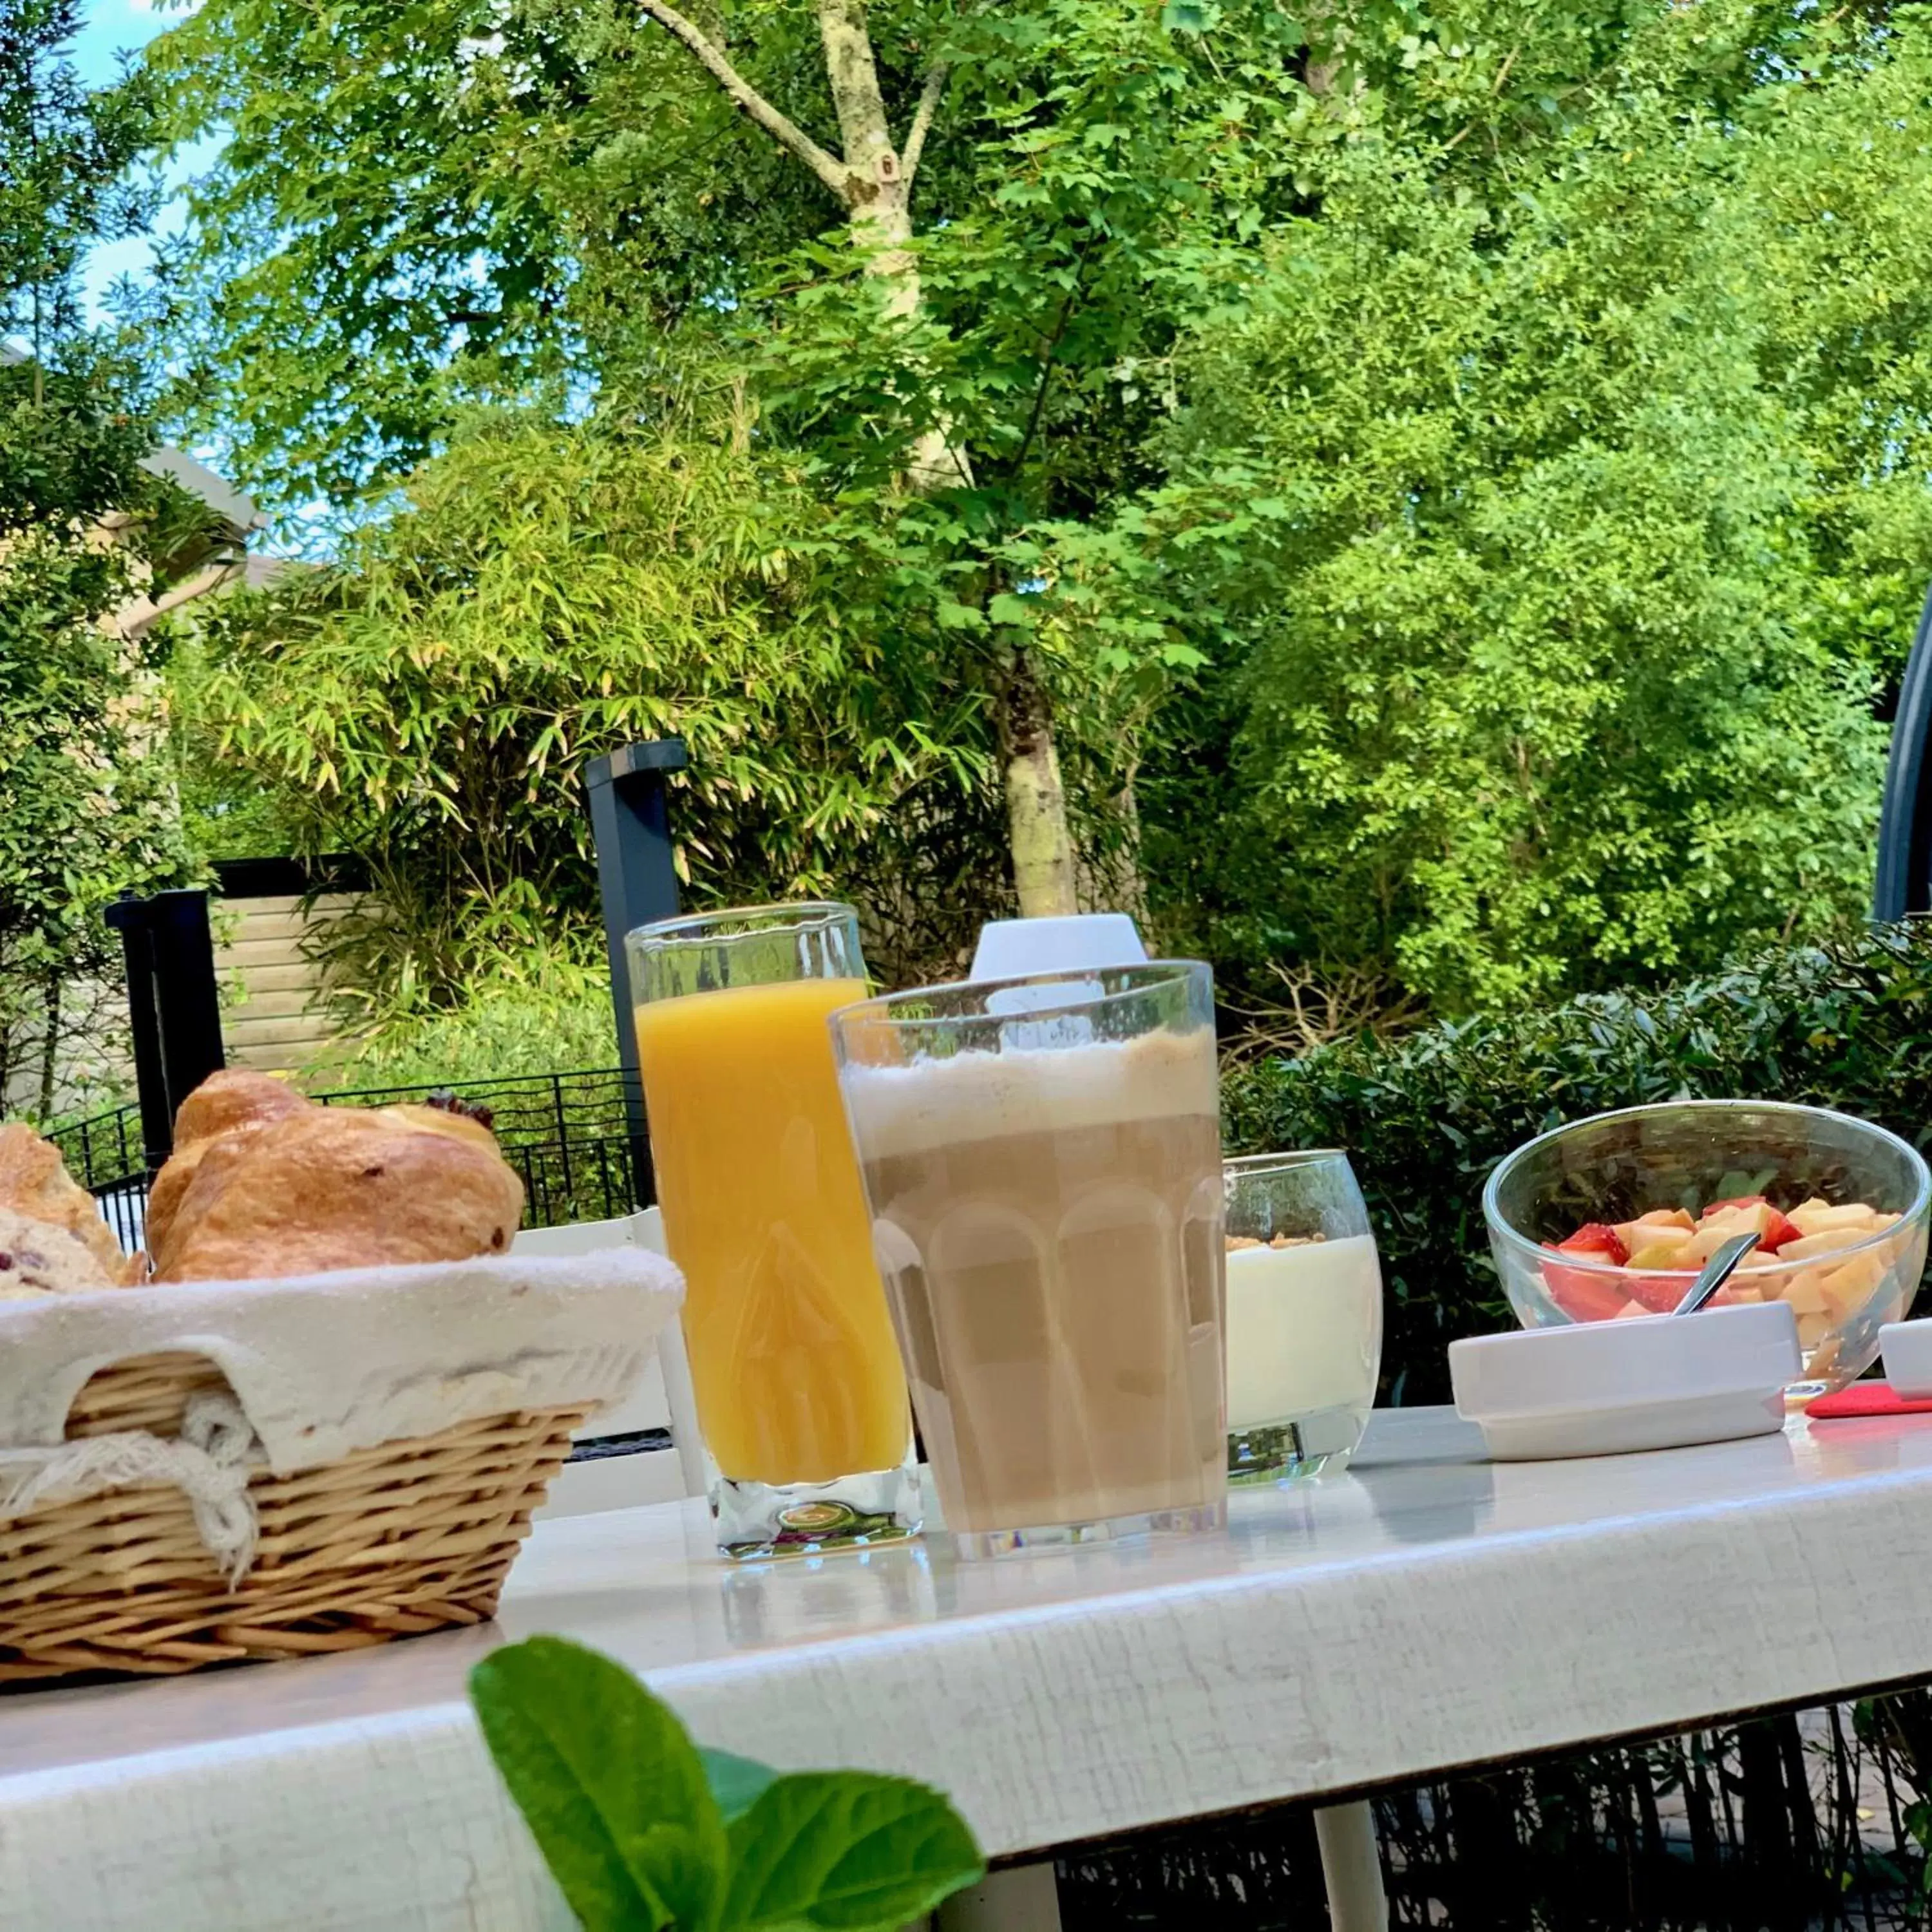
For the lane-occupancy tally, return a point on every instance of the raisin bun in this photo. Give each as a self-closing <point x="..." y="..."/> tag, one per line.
<point x="37" y="1257"/>
<point x="324" y="1188"/>
<point x="34" y="1184"/>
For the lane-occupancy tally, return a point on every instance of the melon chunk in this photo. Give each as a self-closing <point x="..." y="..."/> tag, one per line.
<point x="1816" y="1220"/>
<point x="1660" y="1224"/>
<point x="1849" y="1287"/>
<point x="1826" y="1241"/>
<point x="1661" y="1255"/>
<point x="1806" y="1293"/>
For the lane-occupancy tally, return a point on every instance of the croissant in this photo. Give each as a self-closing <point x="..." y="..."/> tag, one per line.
<point x="321" y="1188"/>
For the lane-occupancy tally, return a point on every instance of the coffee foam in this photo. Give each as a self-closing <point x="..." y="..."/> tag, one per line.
<point x="984" y="1096"/>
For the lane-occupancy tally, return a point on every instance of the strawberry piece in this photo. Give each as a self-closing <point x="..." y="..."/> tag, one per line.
<point x="1586" y="1297"/>
<point x="1660" y="1293"/>
<point x="1594" y="1237"/>
<point x="1777" y="1233"/>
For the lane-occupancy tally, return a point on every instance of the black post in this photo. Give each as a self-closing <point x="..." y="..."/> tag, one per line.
<point x="173" y="1006"/>
<point x="631" y="820"/>
<point x="1904" y="882"/>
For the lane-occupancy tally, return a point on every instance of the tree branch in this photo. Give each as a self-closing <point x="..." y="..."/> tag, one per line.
<point x="788" y="133"/>
<point x="135" y="618"/>
<point x="921" y="120"/>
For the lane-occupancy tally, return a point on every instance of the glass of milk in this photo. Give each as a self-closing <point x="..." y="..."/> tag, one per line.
<point x="1304" y="1315"/>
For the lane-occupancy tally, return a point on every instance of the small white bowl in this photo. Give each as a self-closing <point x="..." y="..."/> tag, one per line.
<point x="1605" y="1388"/>
<point x="1010" y="949"/>
<point x="1908" y="1358"/>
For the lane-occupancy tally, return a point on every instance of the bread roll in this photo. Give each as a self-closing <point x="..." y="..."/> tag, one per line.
<point x="327" y="1188"/>
<point x="37" y="1257"/>
<point x="233" y="1102"/>
<point x="34" y="1183"/>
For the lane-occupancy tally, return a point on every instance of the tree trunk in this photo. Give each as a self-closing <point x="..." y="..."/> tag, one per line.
<point x="873" y="183"/>
<point x="50" y="1051"/>
<point x="879" y="196"/>
<point x="1037" y="827"/>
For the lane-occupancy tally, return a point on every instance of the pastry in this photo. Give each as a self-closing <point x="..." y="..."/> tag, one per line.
<point x="435" y="1120"/>
<point x="232" y="1102"/>
<point x="323" y="1188"/>
<point x="34" y="1183"/>
<point x="39" y="1257"/>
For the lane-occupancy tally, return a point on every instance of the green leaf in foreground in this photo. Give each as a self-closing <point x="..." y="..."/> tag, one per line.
<point x="737" y="1783"/>
<point x="845" y="1851"/>
<point x="613" y="1788"/>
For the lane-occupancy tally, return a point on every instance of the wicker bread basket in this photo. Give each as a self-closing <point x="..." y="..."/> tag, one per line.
<point x="406" y="1536"/>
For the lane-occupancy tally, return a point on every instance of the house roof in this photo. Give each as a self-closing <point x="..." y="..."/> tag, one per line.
<point x="234" y="507"/>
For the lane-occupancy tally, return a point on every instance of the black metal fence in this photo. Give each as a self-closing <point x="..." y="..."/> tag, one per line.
<point x="567" y="1135"/>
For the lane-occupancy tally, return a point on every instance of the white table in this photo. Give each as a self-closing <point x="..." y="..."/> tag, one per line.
<point x="1427" y="1612"/>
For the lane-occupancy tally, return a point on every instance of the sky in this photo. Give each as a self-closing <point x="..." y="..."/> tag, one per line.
<point x="113" y="26"/>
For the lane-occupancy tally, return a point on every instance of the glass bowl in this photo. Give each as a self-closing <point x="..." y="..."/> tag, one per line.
<point x="1687" y="1155"/>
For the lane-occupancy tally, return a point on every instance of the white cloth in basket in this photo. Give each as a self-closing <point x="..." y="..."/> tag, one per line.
<point x="322" y="1365"/>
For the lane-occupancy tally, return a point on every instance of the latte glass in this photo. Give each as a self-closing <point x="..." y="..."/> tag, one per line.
<point x="1043" y="1160"/>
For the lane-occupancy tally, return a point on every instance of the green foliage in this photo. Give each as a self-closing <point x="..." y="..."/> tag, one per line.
<point x="540" y="596"/>
<point x="65" y="184"/>
<point x="1504" y="424"/>
<point x="84" y="810"/>
<point x="539" y="1010"/>
<point x="644" y="1831"/>
<point x="1505" y="520"/>
<point x="1839" y="172"/>
<point x="1424" y="1119"/>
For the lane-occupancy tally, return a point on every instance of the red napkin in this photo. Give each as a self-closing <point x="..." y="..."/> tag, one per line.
<point x="1867" y="1399"/>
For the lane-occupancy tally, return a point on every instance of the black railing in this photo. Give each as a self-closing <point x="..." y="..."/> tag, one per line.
<point x="567" y="1135"/>
<point x="1903" y="885"/>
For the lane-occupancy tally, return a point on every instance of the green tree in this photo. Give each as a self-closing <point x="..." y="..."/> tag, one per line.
<point x="540" y="596"/>
<point x="1506" y="509"/>
<point x="1839" y="177"/>
<point x="951" y="242"/>
<point x="84" y="810"/>
<point x="1015" y="377"/>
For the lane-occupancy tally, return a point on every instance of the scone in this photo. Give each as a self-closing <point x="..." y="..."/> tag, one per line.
<point x="34" y="1183"/>
<point x="37" y="1258"/>
<point x="327" y="1188"/>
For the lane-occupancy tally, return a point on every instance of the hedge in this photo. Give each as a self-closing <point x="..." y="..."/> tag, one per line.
<point x="1425" y="1118"/>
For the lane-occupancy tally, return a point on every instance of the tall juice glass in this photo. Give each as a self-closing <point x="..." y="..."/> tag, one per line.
<point x="801" y="1396"/>
<point x="1043" y="1157"/>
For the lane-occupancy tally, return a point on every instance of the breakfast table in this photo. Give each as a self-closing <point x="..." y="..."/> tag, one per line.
<point x="1429" y="1610"/>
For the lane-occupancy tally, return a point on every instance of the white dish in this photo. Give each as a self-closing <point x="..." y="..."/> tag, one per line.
<point x="1010" y="948"/>
<point x="1607" y="1388"/>
<point x="1908" y="1358"/>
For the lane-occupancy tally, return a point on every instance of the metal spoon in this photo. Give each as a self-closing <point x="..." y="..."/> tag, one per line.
<point x="1715" y="1273"/>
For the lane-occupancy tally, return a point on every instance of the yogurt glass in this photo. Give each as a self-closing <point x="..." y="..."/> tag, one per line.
<point x="1304" y="1316"/>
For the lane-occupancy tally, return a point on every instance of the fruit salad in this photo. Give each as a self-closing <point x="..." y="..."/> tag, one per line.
<point x="1800" y="1258"/>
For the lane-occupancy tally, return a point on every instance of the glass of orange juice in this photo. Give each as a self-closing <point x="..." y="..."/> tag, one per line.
<point x="801" y="1396"/>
